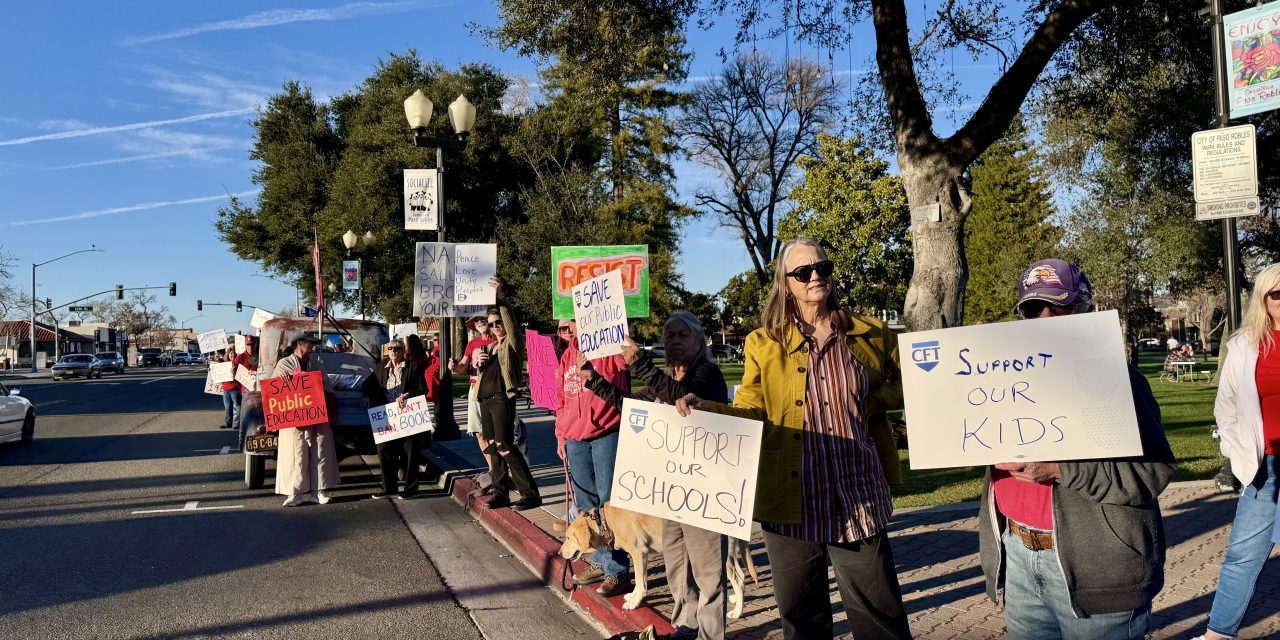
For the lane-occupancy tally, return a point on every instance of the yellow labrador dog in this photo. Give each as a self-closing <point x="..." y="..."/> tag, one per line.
<point x="738" y="566"/>
<point x="637" y="534"/>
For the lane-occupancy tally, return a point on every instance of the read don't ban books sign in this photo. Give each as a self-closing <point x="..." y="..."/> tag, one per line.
<point x="1037" y="390"/>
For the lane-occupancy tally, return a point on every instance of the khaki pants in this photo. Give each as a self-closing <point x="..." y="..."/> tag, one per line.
<point x="695" y="572"/>
<point x="306" y="461"/>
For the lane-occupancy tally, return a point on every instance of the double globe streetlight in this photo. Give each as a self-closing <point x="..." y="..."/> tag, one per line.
<point x="350" y="240"/>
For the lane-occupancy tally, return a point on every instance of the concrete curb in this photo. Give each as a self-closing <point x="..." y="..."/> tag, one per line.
<point x="541" y="553"/>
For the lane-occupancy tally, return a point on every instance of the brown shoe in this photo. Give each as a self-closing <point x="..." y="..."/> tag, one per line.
<point x="588" y="576"/>
<point x="613" y="586"/>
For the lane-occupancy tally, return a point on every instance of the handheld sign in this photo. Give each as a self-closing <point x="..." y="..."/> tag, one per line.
<point x="211" y="386"/>
<point x="260" y="317"/>
<point x="247" y="379"/>
<point x="601" y="313"/>
<point x="390" y="422"/>
<point x="211" y="341"/>
<point x="403" y="329"/>
<point x="571" y="266"/>
<point x="473" y="266"/>
<point x="241" y="343"/>
<point x="700" y="470"/>
<point x="1037" y="390"/>
<point x="221" y="371"/>
<point x="542" y="370"/>
<point x="297" y="402"/>
<point x="433" y="283"/>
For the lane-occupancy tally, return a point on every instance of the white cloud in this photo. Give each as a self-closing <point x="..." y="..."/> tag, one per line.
<point x="84" y="215"/>
<point x="94" y="131"/>
<point x="210" y="90"/>
<point x="276" y="17"/>
<point x="194" y="153"/>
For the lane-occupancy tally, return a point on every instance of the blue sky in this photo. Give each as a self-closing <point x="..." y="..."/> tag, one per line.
<point x="125" y="125"/>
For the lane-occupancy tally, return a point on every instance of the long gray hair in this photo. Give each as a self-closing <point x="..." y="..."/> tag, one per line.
<point x="695" y="326"/>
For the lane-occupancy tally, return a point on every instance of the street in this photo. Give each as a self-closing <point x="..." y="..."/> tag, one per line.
<point x="125" y="519"/>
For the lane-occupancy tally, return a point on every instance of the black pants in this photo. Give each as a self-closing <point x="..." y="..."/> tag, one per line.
<point x="498" y="424"/>
<point x="864" y="572"/>
<point x="395" y="455"/>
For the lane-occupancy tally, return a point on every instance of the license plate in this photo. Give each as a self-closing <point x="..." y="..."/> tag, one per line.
<point x="262" y="442"/>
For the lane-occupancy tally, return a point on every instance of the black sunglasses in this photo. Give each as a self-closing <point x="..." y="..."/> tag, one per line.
<point x="803" y="274"/>
<point x="1274" y="296"/>
<point x="1033" y="309"/>
<point x="495" y="323"/>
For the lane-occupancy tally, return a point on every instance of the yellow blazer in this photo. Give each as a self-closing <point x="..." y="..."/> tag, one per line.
<point x="773" y="390"/>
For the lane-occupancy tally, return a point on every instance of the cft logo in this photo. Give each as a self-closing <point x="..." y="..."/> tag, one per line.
<point x="638" y="419"/>
<point x="925" y="354"/>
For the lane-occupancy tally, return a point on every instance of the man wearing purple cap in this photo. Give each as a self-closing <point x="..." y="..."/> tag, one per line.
<point x="1078" y="546"/>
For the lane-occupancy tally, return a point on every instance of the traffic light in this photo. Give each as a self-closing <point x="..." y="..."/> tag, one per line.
<point x="239" y="307"/>
<point x="48" y="303"/>
<point x="199" y="305"/>
<point x="119" y="292"/>
<point x="173" y="289"/>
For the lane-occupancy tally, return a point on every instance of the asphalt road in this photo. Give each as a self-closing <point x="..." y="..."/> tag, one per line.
<point x="77" y="560"/>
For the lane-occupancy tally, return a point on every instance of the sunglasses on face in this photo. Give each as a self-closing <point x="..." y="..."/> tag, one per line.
<point x="395" y="348"/>
<point x="1033" y="309"/>
<point x="1274" y="296"/>
<point x="497" y="324"/>
<point x="802" y="274"/>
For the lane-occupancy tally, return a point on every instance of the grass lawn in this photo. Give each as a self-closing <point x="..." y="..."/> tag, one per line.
<point x="1185" y="407"/>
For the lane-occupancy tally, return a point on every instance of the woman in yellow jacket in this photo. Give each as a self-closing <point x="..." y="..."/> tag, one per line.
<point x="820" y="379"/>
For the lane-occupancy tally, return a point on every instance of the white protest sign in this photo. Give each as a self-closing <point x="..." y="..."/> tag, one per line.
<point x="246" y="378"/>
<point x="433" y="283"/>
<point x="221" y="371"/>
<point x="600" y="307"/>
<point x="405" y="329"/>
<point x="211" y="341"/>
<point x="211" y="386"/>
<point x="1024" y="391"/>
<point x="390" y="422"/>
<point x="700" y="470"/>
<point x="473" y="266"/>
<point x="421" y="199"/>
<point x="241" y="343"/>
<point x="260" y="317"/>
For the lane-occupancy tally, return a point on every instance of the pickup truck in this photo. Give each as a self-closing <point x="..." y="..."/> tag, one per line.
<point x="346" y="373"/>
<point x="152" y="357"/>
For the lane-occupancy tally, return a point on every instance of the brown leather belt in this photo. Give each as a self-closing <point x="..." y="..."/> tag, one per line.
<point x="1033" y="539"/>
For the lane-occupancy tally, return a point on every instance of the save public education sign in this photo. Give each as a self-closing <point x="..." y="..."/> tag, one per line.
<point x="294" y="402"/>
<point x="571" y="266"/>
<point x="601" y="313"/>
<point x="700" y="470"/>
<point x="390" y="422"/>
<point x="1037" y="390"/>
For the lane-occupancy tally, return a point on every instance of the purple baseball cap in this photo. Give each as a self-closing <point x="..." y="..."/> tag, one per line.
<point x="1057" y="282"/>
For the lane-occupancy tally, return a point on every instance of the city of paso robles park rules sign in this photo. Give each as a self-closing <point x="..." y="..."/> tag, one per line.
<point x="1024" y="391"/>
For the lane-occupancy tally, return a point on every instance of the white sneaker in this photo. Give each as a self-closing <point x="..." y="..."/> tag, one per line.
<point x="323" y="498"/>
<point x="294" y="501"/>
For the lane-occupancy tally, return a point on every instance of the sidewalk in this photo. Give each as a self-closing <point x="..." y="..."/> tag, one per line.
<point x="936" y="550"/>
<point x="25" y="375"/>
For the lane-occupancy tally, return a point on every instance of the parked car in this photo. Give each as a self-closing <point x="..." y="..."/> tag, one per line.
<point x="112" y="361"/>
<point x="17" y="416"/>
<point x="1150" y="343"/>
<point x="77" y="365"/>
<point x="152" y="357"/>
<point x="724" y="352"/>
<point x="198" y="358"/>
<point x="658" y="351"/>
<point x="182" y="357"/>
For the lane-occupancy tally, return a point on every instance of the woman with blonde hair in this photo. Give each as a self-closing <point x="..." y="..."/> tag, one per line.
<point x="1248" y="415"/>
<point x="819" y="378"/>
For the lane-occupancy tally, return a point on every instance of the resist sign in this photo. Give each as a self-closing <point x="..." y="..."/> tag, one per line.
<point x="1024" y="391"/>
<point x="298" y="402"/>
<point x="601" y="311"/>
<point x="542" y="370"/>
<point x="700" y="470"/>
<point x="390" y="422"/>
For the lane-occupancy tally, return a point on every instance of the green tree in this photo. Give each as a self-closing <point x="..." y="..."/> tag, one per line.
<point x="850" y="204"/>
<point x="743" y="297"/>
<point x="1008" y="228"/>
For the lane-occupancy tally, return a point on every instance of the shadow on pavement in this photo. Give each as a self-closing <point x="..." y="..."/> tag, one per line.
<point x="117" y="447"/>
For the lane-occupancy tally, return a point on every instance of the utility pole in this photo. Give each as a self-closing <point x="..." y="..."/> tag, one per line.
<point x="1230" y="243"/>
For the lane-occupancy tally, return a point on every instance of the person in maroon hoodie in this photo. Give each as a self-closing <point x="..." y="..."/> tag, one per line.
<point x="587" y="439"/>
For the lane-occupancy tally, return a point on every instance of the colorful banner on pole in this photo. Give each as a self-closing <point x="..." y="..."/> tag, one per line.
<point x="542" y="370"/>
<point x="571" y="266"/>
<point x="350" y="275"/>
<point x="421" y="199"/>
<point x="390" y="422"/>
<point x="473" y="266"/>
<point x="1251" y="40"/>
<point x="700" y="470"/>
<point x="433" y="282"/>
<point x="294" y="402"/>
<point x="1022" y="391"/>
<point x="600" y="310"/>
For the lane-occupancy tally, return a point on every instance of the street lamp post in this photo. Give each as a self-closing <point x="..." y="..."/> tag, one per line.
<point x="462" y="115"/>
<point x="350" y="240"/>
<point x="92" y="248"/>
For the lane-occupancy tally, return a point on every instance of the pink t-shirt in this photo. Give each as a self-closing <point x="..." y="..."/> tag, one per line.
<point x="1029" y="503"/>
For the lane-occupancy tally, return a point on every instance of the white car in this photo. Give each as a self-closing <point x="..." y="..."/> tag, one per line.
<point x="182" y="358"/>
<point x="17" y="417"/>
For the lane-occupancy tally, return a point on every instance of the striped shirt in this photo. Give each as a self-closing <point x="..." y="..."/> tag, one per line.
<point x="844" y="493"/>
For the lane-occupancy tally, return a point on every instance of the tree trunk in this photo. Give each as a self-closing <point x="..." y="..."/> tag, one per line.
<point x="935" y="298"/>
<point x="615" y="140"/>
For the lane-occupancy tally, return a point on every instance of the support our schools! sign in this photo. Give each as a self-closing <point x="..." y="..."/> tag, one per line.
<point x="571" y="266"/>
<point x="294" y="402"/>
<point x="390" y="422"/>
<point x="1023" y="391"/>
<point x="700" y="470"/>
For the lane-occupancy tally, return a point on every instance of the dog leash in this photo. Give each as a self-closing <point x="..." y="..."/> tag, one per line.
<point x="565" y="582"/>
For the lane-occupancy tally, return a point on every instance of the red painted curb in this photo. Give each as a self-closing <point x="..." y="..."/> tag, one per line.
<point x="542" y="552"/>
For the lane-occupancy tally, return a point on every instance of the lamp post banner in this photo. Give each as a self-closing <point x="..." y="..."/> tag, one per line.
<point x="421" y="199"/>
<point x="1252" y="49"/>
<point x="350" y="275"/>
<point x="571" y="266"/>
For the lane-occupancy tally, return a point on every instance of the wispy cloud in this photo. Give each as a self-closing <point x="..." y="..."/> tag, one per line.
<point x="98" y="213"/>
<point x="138" y="158"/>
<point x="95" y="131"/>
<point x="276" y="17"/>
<point x="209" y="89"/>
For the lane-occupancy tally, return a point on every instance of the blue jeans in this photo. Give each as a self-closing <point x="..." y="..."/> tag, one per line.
<point x="1038" y="607"/>
<point x="1247" y="551"/>
<point x="591" y="472"/>
<point x="231" y="408"/>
